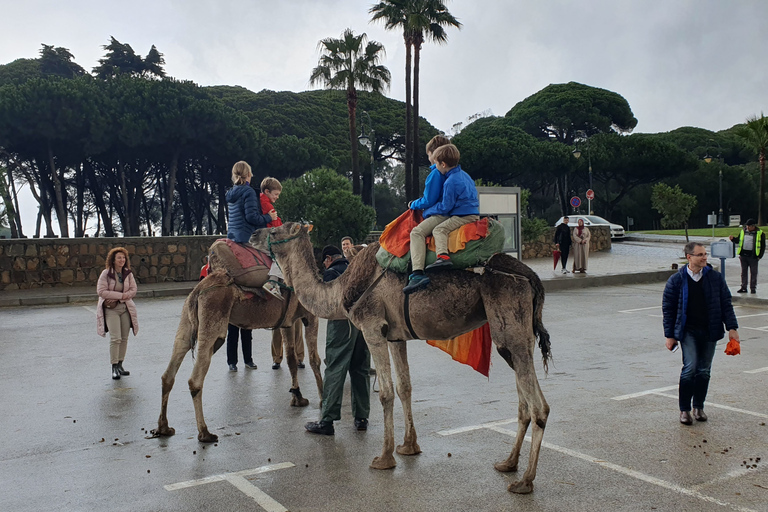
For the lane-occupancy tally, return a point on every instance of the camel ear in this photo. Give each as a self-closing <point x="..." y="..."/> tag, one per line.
<point x="309" y="227"/>
<point x="295" y="228"/>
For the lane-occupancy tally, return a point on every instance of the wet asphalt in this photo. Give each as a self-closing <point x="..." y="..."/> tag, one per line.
<point x="77" y="440"/>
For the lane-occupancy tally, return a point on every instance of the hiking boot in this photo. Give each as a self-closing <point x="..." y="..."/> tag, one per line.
<point x="440" y="264"/>
<point x="416" y="282"/>
<point x="361" y="424"/>
<point x="320" y="427"/>
<point x="250" y="366"/>
<point x="273" y="287"/>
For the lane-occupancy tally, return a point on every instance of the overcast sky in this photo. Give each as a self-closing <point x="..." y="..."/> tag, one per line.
<point x="677" y="62"/>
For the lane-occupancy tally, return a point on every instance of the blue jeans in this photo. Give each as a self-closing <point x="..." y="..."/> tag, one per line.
<point x="698" y="353"/>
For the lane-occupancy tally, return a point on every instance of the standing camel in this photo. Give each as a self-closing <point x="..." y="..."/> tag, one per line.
<point x="213" y="304"/>
<point x="508" y="295"/>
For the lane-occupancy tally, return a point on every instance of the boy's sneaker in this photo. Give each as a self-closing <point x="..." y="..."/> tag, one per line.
<point x="233" y="368"/>
<point x="416" y="282"/>
<point x="274" y="288"/>
<point x="250" y="366"/>
<point x="442" y="263"/>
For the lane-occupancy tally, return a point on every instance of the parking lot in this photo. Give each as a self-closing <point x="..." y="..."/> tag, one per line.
<point x="76" y="440"/>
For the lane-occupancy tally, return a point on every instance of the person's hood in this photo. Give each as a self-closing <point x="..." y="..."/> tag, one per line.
<point x="236" y="192"/>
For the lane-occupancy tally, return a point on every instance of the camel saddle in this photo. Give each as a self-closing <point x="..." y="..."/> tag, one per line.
<point x="246" y="266"/>
<point x="470" y="245"/>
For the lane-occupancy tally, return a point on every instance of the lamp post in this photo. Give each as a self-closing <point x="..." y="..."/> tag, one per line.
<point x="708" y="159"/>
<point x="369" y="142"/>
<point x="577" y="154"/>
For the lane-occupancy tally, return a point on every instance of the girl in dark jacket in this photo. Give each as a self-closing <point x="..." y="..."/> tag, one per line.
<point x="245" y="214"/>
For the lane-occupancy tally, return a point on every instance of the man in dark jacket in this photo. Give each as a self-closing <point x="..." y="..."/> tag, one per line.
<point x="695" y="305"/>
<point x="563" y="241"/>
<point x="345" y="351"/>
<point x="750" y="246"/>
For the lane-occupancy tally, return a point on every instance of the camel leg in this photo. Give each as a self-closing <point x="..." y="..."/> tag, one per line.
<point x="310" y="333"/>
<point x="399" y="353"/>
<point x="196" y="380"/>
<point x="377" y="345"/>
<point x="289" y="335"/>
<point x="181" y="345"/>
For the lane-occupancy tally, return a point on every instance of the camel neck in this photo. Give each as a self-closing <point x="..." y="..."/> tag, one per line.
<point x="321" y="298"/>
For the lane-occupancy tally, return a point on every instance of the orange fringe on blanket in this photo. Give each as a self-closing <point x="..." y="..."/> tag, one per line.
<point x="472" y="348"/>
<point x="466" y="233"/>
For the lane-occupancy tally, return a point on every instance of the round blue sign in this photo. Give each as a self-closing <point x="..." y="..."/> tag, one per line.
<point x="575" y="202"/>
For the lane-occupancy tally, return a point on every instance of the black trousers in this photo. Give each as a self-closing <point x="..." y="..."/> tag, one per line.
<point x="564" y="250"/>
<point x="749" y="265"/>
<point x="234" y="332"/>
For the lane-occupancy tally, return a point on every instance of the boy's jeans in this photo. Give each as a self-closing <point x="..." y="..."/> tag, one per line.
<point x="698" y="353"/>
<point x="438" y="226"/>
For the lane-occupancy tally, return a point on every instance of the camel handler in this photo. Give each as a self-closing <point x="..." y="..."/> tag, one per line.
<point x="345" y="351"/>
<point x="750" y="246"/>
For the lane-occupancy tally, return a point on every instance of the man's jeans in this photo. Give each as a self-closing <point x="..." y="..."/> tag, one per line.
<point x="698" y="353"/>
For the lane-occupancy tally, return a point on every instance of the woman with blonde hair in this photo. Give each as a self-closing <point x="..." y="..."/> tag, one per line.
<point x="116" y="312"/>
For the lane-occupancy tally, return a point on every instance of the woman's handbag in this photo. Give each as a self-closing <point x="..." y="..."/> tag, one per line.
<point x="110" y="303"/>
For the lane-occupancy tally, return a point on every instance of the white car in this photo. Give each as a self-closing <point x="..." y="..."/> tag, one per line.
<point x="617" y="231"/>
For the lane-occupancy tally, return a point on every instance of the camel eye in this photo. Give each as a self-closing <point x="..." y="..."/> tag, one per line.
<point x="273" y="231"/>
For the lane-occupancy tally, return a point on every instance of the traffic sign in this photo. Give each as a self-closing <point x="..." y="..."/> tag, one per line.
<point x="575" y="201"/>
<point x="590" y="194"/>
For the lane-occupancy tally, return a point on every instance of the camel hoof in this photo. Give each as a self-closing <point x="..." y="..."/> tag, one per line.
<point x="299" y="402"/>
<point x="505" y="467"/>
<point x="163" y="432"/>
<point x="521" y="487"/>
<point x="408" y="450"/>
<point x="207" y="437"/>
<point x="383" y="463"/>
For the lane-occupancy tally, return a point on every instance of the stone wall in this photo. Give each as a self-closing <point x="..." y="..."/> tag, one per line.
<point x="600" y="240"/>
<point x="52" y="262"/>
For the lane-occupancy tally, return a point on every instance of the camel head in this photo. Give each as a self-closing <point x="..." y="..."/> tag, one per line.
<point x="273" y="241"/>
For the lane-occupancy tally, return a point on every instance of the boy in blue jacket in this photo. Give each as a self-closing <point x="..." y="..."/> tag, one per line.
<point x="459" y="205"/>
<point x="433" y="186"/>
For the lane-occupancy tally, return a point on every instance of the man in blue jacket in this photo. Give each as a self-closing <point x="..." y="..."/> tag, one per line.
<point x="695" y="305"/>
<point x="459" y="205"/>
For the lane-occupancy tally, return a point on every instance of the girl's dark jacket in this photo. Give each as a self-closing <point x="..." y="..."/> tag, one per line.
<point x="245" y="214"/>
<point x="717" y="298"/>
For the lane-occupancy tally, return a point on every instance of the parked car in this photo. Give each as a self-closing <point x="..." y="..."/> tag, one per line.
<point x="617" y="231"/>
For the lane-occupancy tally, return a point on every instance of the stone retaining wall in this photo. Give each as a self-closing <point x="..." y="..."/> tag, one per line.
<point x="52" y="262"/>
<point x="600" y="240"/>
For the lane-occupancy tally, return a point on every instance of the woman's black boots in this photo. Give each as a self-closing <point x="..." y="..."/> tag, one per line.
<point x="122" y="370"/>
<point x="115" y="371"/>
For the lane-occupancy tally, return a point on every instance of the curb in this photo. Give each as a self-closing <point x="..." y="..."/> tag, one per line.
<point x="76" y="298"/>
<point x="586" y="281"/>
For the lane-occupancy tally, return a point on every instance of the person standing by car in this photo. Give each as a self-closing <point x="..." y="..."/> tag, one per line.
<point x="580" y="237"/>
<point x="750" y="246"/>
<point x="563" y="241"/>
<point x="695" y="306"/>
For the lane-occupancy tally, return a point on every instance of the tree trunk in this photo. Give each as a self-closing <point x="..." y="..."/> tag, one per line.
<point x="173" y="168"/>
<point x="16" y="211"/>
<point x="61" y="211"/>
<point x="761" y="196"/>
<point x="80" y="201"/>
<point x="409" y="192"/>
<point x="9" y="206"/>
<point x="415" y="144"/>
<point x="352" y="110"/>
<point x="221" y="220"/>
<point x="98" y="197"/>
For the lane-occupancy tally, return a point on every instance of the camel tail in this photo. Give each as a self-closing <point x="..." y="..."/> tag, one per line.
<point x="508" y="264"/>
<point x="190" y="311"/>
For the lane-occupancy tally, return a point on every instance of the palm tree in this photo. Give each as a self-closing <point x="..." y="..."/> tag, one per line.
<point x="349" y="64"/>
<point x="755" y="133"/>
<point x="418" y="19"/>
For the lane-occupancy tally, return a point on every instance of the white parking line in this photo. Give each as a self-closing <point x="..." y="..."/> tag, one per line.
<point x="494" y="426"/>
<point x="245" y="486"/>
<point x="757" y="371"/>
<point x="749" y="316"/>
<point x="89" y="309"/>
<point x="638" y="309"/>
<point x="461" y="430"/>
<point x="641" y="393"/>
<point x="761" y="329"/>
<point x="718" y="406"/>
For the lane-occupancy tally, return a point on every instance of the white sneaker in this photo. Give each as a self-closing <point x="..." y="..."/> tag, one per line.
<point x="273" y="288"/>
<point x="565" y="271"/>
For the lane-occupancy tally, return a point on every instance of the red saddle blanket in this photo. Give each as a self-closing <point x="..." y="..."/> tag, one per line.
<point x="472" y="348"/>
<point x="396" y="237"/>
<point x="246" y="255"/>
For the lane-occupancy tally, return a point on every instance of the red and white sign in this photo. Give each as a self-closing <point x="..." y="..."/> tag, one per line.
<point x="590" y="194"/>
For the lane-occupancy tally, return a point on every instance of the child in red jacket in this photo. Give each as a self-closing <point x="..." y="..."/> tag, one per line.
<point x="270" y="192"/>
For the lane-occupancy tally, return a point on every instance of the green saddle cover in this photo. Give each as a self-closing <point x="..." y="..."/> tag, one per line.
<point x="474" y="252"/>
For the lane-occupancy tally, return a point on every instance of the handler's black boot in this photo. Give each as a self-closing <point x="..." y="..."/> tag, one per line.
<point x="122" y="370"/>
<point x="115" y="372"/>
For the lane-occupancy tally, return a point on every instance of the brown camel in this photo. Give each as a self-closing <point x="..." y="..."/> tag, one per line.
<point x="214" y="303"/>
<point x="508" y="295"/>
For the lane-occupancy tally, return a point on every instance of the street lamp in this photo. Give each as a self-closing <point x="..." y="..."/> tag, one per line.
<point x="577" y="154"/>
<point x="369" y="142"/>
<point x="708" y="159"/>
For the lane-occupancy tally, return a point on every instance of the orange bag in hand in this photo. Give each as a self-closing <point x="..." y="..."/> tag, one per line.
<point x="733" y="348"/>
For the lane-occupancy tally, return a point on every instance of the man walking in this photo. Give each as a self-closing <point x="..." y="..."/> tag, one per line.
<point x="563" y="241"/>
<point x="695" y="305"/>
<point x="750" y="246"/>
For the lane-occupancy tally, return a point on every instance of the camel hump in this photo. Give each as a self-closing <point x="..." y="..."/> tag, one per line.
<point x="479" y="241"/>
<point x="247" y="266"/>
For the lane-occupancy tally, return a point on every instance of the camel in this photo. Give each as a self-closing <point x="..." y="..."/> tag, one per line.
<point x="508" y="295"/>
<point x="215" y="302"/>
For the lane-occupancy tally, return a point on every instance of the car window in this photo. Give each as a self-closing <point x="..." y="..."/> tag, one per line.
<point x="596" y="220"/>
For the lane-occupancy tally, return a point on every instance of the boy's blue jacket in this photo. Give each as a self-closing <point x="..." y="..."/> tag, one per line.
<point x="433" y="190"/>
<point x="718" y="299"/>
<point x="459" y="196"/>
<point x="245" y="215"/>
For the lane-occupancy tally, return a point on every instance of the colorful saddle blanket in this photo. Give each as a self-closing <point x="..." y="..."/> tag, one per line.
<point x="469" y="245"/>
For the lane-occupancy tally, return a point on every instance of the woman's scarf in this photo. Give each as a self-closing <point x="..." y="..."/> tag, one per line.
<point x="579" y="229"/>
